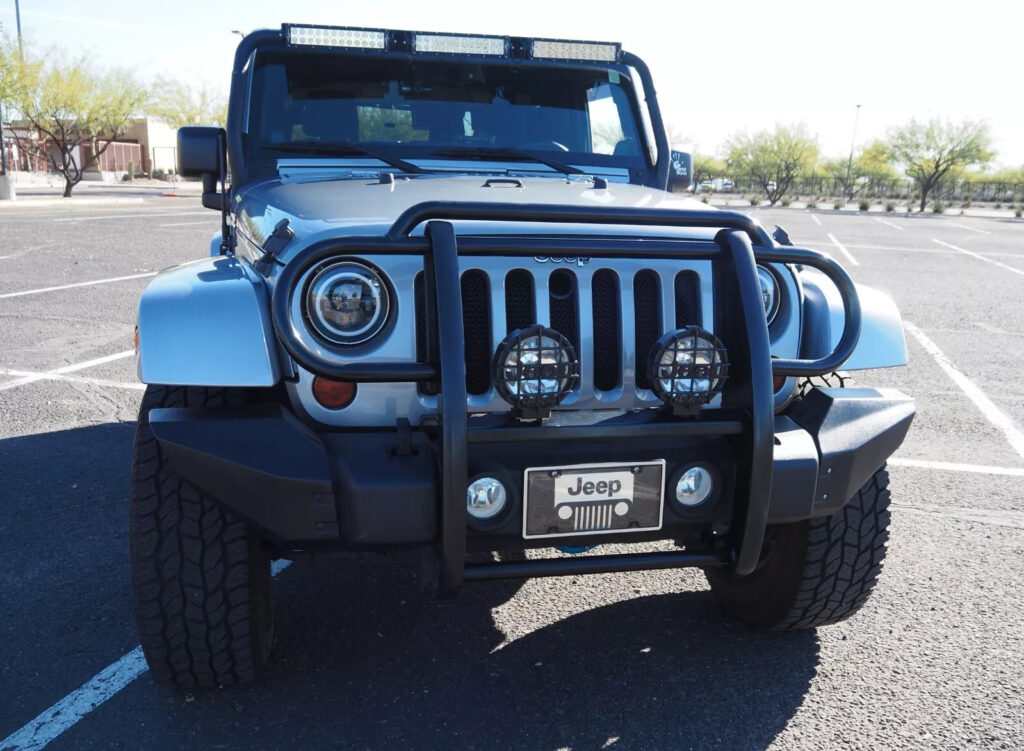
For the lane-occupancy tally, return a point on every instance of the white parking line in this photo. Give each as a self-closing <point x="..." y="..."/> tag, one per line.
<point x="843" y="250"/>
<point x="934" y="251"/>
<point x="816" y="219"/>
<point x="50" y="723"/>
<point x="979" y="257"/>
<point x="37" y="376"/>
<point x="981" y="469"/>
<point x="994" y="415"/>
<point x="887" y="223"/>
<point x="187" y="224"/>
<point x="77" y="284"/>
<point x="66" y="369"/>
<point x="972" y="229"/>
<point x="137" y="214"/>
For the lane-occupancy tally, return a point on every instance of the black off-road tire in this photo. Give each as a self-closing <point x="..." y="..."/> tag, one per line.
<point x="814" y="572"/>
<point x="200" y="577"/>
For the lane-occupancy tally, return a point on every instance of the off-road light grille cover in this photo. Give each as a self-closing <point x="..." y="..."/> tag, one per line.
<point x="688" y="367"/>
<point x="535" y="368"/>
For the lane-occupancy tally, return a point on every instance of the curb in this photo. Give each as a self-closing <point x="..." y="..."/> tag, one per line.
<point x="27" y="202"/>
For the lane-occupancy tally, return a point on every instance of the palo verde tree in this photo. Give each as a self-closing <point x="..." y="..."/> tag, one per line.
<point x="63" y="105"/>
<point x="178" y="103"/>
<point x="773" y="159"/>
<point x="929" y="152"/>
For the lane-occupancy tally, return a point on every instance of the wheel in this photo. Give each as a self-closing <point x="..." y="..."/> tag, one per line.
<point x="813" y="572"/>
<point x="200" y="577"/>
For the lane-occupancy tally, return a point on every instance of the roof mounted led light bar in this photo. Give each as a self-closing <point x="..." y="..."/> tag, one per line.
<point x="460" y="44"/>
<point x="334" y="36"/>
<point x="562" y="49"/>
<point x="424" y="42"/>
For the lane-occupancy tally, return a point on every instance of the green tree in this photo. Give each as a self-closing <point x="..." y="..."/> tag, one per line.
<point x="178" y="103"/>
<point x="929" y="152"/>
<point x="774" y="159"/>
<point x="853" y="176"/>
<point x="706" y="167"/>
<point x="65" y="104"/>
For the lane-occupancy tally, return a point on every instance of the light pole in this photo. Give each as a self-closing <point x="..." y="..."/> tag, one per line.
<point x="849" y="164"/>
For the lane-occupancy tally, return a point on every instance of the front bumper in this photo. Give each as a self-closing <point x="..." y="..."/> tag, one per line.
<point x="380" y="489"/>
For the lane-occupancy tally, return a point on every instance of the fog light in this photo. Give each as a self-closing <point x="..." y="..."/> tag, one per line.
<point x="534" y="369"/>
<point x="485" y="498"/>
<point x="687" y="368"/>
<point x="694" y="486"/>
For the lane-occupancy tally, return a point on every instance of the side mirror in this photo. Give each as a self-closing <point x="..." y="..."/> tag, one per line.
<point x="680" y="173"/>
<point x="202" y="152"/>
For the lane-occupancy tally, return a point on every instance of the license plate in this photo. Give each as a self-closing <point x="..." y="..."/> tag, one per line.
<point x="593" y="499"/>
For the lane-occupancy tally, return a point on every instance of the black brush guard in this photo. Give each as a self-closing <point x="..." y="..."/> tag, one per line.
<point x="751" y="375"/>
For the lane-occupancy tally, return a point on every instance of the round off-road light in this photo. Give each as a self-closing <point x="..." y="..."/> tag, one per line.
<point x="770" y="294"/>
<point x="347" y="303"/>
<point x="485" y="498"/>
<point x="694" y="486"/>
<point x="535" y="368"/>
<point x="687" y="367"/>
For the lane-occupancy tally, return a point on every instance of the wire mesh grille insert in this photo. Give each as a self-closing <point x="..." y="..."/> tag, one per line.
<point x="688" y="310"/>
<point x="563" y="301"/>
<point x="476" y="326"/>
<point x="519" y="308"/>
<point x="647" y="311"/>
<point x="607" y="321"/>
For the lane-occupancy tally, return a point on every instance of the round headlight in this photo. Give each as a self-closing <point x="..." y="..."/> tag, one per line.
<point x="347" y="303"/>
<point x="687" y="367"/>
<point x="769" y="292"/>
<point x="694" y="486"/>
<point x="535" y="368"/>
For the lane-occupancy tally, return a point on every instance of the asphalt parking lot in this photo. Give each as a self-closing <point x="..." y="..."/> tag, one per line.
<point x="620" y="661"/>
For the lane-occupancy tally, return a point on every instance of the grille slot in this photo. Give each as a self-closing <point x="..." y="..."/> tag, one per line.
<point x="563" y="303"/>
<point x="647" y="320"/>
<point x="422" y="346"/>
<point x="476" y="326"/>
<point x="688" y="311"/>
<point x="607" y="323"/>
<point x="519" y="308"/>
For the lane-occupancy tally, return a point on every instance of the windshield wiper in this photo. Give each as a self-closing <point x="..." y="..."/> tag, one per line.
<point x="506" y="155"/>
<point x="341" y="148"/>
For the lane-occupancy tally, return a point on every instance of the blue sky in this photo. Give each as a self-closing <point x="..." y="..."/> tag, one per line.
<point x="719" y="67"/>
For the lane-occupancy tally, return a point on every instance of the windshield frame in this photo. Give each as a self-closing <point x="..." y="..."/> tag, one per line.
<point x="245" y="169"/>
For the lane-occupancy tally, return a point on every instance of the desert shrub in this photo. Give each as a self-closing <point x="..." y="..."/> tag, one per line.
<point x="890" y="207"/>
<point x="938" y="207"/>
<point x="864" y="204"/>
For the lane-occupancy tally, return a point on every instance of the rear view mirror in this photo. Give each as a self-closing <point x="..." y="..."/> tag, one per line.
<point x="202" y="153"/>
<point x="680" y="171"/>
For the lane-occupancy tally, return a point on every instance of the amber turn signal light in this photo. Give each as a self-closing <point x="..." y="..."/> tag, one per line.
<point x="333" y="394"/>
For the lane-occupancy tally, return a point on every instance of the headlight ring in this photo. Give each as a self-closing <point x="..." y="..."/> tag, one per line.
<point x="346" y="302"/>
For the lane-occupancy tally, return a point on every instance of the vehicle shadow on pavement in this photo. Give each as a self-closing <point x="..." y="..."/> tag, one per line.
<point x="365" y="660"/>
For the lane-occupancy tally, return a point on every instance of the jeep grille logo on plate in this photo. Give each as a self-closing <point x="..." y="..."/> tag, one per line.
<point x="580" y="261"/>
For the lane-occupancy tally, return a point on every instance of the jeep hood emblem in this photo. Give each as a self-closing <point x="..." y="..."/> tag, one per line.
<point x="579" y="261"/>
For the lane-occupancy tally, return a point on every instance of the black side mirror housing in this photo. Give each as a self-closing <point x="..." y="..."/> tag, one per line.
<point x="202" y="152"/>
<point x="680" y="173"/>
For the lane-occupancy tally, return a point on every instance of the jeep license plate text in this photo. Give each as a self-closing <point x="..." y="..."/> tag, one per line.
<point x="593" y="499"/>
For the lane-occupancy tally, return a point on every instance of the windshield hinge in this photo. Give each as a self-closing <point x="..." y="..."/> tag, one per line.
<point x="279" y="238"/>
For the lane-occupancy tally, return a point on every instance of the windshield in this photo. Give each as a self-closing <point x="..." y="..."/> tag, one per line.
<point x="416" y="108"/>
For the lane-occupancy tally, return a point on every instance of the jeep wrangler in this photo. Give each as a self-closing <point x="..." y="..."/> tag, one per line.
<point x="455" y="310"/>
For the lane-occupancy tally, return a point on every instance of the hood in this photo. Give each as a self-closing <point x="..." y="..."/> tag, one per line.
<point x="323" y="209"/>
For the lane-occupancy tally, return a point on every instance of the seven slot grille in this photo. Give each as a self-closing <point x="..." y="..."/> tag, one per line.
<point x="611" y="316"/>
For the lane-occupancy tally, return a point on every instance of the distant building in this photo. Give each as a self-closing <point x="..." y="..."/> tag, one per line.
<point x="149" y="145"/>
